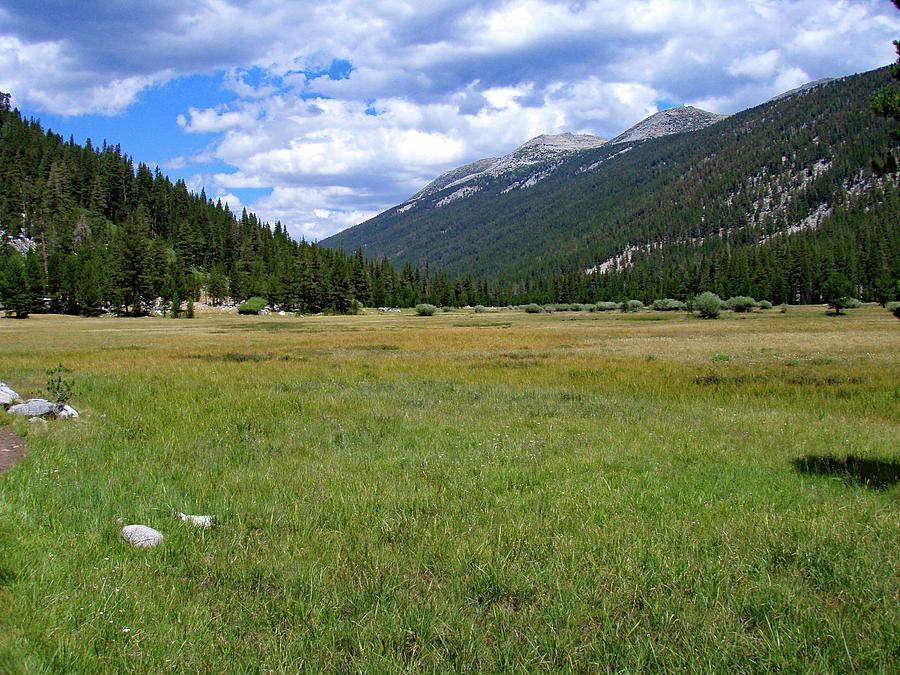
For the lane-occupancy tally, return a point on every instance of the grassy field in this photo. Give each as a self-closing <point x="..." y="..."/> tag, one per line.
<point x="465" y="492"/>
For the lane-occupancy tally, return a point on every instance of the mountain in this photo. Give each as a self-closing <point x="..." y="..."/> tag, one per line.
<point x="672" y="121"/>
<point x="466" y="180"/>
<point x="682" y="206"/>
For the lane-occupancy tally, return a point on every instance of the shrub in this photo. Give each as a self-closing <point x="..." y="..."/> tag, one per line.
<point x="59" y="390"/>
<point x="783" y="307"/>
<point x="892" y="306"/>
<point x="633" y="306"/>
<point x="667" y="305"/>
<point x="607" y="306"/>
<point x="740" y="303"/>
<point x="479" y="309"/>
<point x="550" y="308"/>
<point x="590" y="307"/>
<point x="532" y="308"/>
<point x="252" y="305"/>
<point x="355" y="307"/>
<point x="764" y="304"/>
<point x="447" y="308"/>
<point x="708" y="304"/>
<point x="853" y="303"/>
<point x="424" y="309"/>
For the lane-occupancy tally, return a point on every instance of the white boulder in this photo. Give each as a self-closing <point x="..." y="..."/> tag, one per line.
<point x="7" y="396"/>
<point x="141" y="536"/>
<point x="65" y="412"/>
<point x="196" y="521"/>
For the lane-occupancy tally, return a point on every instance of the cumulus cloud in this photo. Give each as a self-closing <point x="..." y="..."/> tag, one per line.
<point x="346" y="108"/>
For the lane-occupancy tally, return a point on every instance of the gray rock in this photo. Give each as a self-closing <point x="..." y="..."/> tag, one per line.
<point x="34" y="407"/>
<point x="38" y="407"/>
<point x="38" y="420"/>
<point x="141" y="536"/>
<point x="7" y="396"/>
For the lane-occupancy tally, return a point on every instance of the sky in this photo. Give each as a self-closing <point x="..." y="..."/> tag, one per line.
<point x="322" y="114"/>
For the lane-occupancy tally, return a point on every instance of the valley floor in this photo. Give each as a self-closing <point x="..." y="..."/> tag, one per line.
<point x="482" y="492"/>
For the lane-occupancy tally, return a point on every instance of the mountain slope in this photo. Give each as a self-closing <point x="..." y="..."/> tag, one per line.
<point x="780" y="167"/>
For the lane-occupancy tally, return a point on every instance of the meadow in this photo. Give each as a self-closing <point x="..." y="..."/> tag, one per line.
<point x="492" y="492"/>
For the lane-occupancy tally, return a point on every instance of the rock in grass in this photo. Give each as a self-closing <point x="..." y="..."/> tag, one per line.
<point x="34" y="407"/>
<point x="141" y="536"/>
<point x="197" y="521"/>
<point x="38" y="407"/>
<point x="7" y="396"/>
<point x="65" y="412"/>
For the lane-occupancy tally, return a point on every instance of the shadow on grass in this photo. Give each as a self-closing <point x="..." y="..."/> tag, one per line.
<point x="873" y="473"/>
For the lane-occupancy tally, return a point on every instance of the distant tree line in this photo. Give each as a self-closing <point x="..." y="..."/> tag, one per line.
<point x="82" y="231"/>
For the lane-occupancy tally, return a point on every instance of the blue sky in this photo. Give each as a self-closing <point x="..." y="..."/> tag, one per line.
<point x="321" y="116"/>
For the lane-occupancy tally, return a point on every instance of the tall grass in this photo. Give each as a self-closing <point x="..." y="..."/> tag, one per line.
<point x="398" y="495"/>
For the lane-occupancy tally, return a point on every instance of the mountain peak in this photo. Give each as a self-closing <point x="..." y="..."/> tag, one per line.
<point x="802" y="89"/>
<point x="671" y="121"/>
<point x="567" y="142"/>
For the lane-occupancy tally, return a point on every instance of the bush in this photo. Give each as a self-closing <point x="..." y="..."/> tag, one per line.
<point x="424" y="309"/>
<point x="589" y="307"/>
<point x="479" y="309"/>
<point x="633" y="306"/>
<point x="783" y="307"/>
<point x="764" y="304"/>
<point x="708" y="304"/>
<point x="740" y="303"/>
<point x="667" y="305"/>
<point x="853" y="303"/>
<point x="607" y="306"/>
<point x="892" y="306"/>
<point x="252" y="305"/>
<point x="533" y="308"/>
<point x="447" y="308"/>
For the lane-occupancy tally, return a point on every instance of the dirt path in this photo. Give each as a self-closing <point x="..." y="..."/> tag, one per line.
<point x="12" y="449"/>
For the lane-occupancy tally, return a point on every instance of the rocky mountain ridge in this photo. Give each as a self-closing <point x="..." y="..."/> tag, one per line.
<point x="539" y="157"/>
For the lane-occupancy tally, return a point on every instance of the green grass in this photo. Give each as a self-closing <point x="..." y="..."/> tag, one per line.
<point x="398" y="495"/>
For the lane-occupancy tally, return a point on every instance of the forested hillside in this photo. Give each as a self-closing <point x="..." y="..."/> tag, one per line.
<point x="83" y="231"/>
<point x="766" y="203"/>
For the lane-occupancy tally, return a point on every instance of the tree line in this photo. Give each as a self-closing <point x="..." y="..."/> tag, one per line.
<point x="84" y="231"/>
